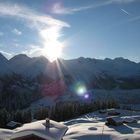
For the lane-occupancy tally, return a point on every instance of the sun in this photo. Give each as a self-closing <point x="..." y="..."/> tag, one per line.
<point x="52" y="46"/>
<point x="53" y="51"/>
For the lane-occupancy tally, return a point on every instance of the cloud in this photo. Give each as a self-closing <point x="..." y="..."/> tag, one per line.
<point x="123" y="1"/>
<point x="48" y="27"/>
<point x="14" y="10"/>
<point x="16" y="31"/>
<point x="33" y="50"/>
<point x="6" y="54"/>
<point x="39" y="21"/>
<point x="58" y="8"/>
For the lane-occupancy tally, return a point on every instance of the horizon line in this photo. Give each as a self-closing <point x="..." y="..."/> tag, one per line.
<point x="60" y="58"/>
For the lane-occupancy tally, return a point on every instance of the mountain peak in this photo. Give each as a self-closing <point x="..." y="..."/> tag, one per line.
<point x="123" y="60"/>
<point x="20" y="57"/>
<point x="108" y="59"/>
<point x="2" y="57"/>
<point x="119" y="58"/>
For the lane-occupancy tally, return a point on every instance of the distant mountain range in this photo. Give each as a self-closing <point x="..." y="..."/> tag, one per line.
<point x="81" y="68"/>
<point x="95" y="72"/>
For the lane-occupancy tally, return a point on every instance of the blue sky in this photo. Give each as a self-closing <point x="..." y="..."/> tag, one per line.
<point x="88" y="28"/>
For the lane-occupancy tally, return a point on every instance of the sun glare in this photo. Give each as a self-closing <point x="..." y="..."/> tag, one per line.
<point x="54" y="51"/>
<point x="52" y="46"/>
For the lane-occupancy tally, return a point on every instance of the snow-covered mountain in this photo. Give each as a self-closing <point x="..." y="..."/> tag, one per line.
<point x="81" y="68"/>
<point x="118" y="67"/>
<point x="24" y="65"/>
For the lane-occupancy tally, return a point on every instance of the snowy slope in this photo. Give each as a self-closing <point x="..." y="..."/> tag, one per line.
<point x="130" y="98"/>
<point x="44" y="102"/>
<point x="122" y="96"/>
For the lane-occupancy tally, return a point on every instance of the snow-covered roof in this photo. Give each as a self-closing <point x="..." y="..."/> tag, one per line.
<point x="114" y="121"/>
<point x="92" y="127"/>
<point x="38" y="128"/>
<point x="5" y="134"/>
<point x="13" y="124"/>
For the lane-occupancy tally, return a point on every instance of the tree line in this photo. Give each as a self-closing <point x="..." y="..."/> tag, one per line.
<point x="62" y="111"/>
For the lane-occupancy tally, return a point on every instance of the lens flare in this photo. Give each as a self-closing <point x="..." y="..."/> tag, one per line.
<point x="80" y="88"/>
<point x="86" y="96"/>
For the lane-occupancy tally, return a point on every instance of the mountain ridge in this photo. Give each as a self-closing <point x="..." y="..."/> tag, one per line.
<point x="80" y="68"/>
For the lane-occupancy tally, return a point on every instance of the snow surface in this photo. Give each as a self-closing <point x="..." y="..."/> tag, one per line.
<point x="120" y="95"/>
<point x="44" y="102"/>
<point x="55" y="131"/>
<point x="92" y="127"/>
<point x="89" y="127"/>
<point x="5" y="134"/>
